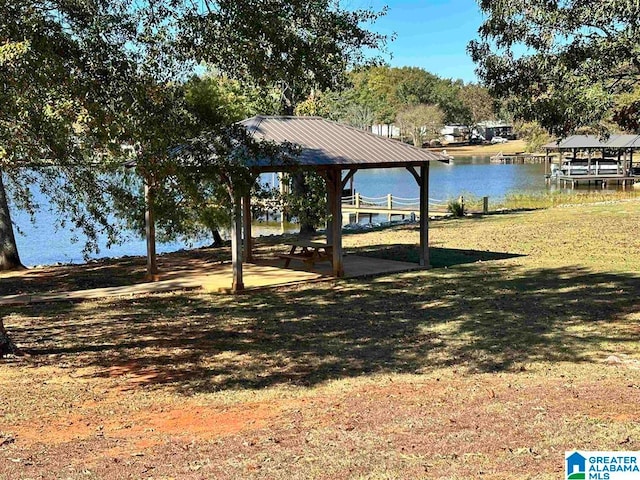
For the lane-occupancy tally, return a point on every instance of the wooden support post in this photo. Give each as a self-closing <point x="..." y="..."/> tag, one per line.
<point x="330" y="208"/>
<point x="281" y="186"/>
<point x="150" y="229"/>
<point x="547" y="163"/>
<point x="357" y="200"/>
<point x="424" y="215"/>
<point x="246" y="220"/>
<point x="485" y="205"/>
<point x="618" y="164"/>
<point x="334" y="184"/>
<point x="389" y="205"/>
<point x="348" y="178"/>
<point x="236" y="245"/>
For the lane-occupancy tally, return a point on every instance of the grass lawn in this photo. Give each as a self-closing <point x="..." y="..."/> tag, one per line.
<point x="489" y="149"/>
<point x="522" y="343"/>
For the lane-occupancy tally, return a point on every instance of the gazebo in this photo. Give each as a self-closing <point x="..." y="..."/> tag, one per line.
<point x="336" y="152"/>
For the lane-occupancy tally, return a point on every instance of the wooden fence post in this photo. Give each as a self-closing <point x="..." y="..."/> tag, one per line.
<point x="461" y="202"/>
<point x="485" y="205"/>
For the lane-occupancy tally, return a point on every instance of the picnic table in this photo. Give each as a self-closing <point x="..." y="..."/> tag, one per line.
<point x="307" y="251"/>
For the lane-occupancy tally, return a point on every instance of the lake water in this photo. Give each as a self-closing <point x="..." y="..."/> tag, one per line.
<point x="475" y="176"/>
<point x="42" y="244"/>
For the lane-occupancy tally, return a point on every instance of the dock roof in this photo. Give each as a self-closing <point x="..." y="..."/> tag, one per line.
<point x="325" y="143"/>
<point x="593" y="141"/>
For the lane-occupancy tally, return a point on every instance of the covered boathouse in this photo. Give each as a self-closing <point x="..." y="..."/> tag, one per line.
<point x="588" y="159"/>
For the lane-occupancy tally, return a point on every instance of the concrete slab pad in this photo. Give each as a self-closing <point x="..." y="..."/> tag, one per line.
<point x="217" y="278"/>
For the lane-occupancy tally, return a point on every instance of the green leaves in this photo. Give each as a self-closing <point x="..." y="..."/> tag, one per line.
<point x="81" y="79"/>
<point x="379" y="93"/>
<point x="296" y="44"/>
<point x="421" y="123"/>
<point x="563" y="63"/>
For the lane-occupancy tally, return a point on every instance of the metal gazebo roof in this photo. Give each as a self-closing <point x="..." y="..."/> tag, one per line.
<point x="330" y="144"/>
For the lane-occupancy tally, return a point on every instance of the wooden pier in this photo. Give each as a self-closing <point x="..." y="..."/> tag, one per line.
<point x="388" y="205"/>
<point x="518" y="158"/>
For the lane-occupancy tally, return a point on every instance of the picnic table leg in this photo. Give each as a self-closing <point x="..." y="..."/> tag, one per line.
<point x="288" y="260"/>
<point x="327" y="254"/>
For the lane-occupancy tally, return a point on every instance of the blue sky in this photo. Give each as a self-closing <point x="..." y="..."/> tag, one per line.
<point x="431" y="34"/>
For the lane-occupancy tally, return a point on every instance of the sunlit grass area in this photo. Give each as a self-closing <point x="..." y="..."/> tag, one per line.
<point x="548" y="199"/>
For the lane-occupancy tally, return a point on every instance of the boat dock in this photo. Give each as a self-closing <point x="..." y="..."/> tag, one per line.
<point x="592" y="160"/>
<point x="572" y="181"/>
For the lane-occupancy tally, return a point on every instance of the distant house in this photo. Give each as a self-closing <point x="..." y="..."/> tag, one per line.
<point x="491" y="128"/>
<point x="454" y="133"/>
<point x="386" y="130"/>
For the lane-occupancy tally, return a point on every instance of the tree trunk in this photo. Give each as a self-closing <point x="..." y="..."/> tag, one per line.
<point x="299" y="184"/>
<point x="6" y="345"/>
<point x="301" y="190"/>
<point x="217" y="239"/>
<point x="9" y="258"/>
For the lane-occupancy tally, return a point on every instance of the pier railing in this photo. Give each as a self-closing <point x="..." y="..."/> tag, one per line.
<point x="389" y="203"/>
<point x="394" y="205"/>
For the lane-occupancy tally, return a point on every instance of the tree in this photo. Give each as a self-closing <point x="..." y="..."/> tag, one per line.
<point x="421" y="123"/>
<point x="296" y="45"/>
<point x="360" y="116"/>
<point x="317" y="104"/>
<point x="306" y="199"/>
<point x="378" y="93"/>
<point x="182" y="209"/>
<point x="533" y="134"/>
<point x="225" y="35"/>
<point x="63" y="70"/>
<point x="478" y="103"/>
<point x="564" y="64"/>
<point x="6" y="344"/>
<point x="84" y="78"/>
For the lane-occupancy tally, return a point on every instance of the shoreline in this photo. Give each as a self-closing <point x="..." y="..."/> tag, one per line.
<point x="510" y="148"/>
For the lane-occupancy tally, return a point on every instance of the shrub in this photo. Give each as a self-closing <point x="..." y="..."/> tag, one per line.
<point x="455" y="208"/>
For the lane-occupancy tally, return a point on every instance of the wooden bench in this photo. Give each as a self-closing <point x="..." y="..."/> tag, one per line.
<point x="308" y="252"/>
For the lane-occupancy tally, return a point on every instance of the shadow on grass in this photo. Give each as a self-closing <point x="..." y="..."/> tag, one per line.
<point x="440" y="257"/>
<point x="475" y="316"/>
